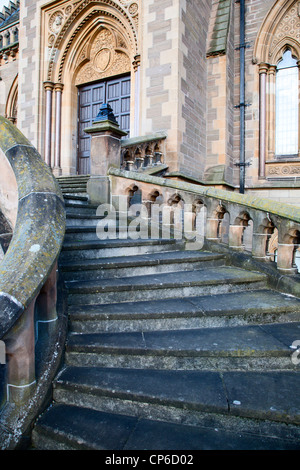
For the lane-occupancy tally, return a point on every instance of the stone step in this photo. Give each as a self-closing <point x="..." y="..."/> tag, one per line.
<point x="85" y="233"/>
<point x="183" y="396"/>
<point x="72" y="177"/>
<point x="76" y="191"/>
<point x="73" y="184"/>
<point x="95" y="249"/>
<point x="139" y="265"/>
<point x="87" y="429"/>
<point x="220" y="310"/>
<point x="258" y="347"/>
<point x="75" y="208"/>
<point x="69" y="181"/>
<point x="165" y="285"/>
<point x="78" y="200"/>
<point x="80" y="219"/>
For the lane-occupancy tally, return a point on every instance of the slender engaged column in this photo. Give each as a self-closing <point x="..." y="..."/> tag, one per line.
<point x="262" y="118"/>
<point x="136" y="65"/>
<point x="57" y="155"/>
<point x="271" y="111"/>
<point x="49" y="91"/>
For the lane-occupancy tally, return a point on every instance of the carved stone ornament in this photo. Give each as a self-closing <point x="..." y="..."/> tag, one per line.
<point x="284" y="170"/>
<point x="66" y="22"/>
<point x="104" y="58"/>
<point x="288" y="27"/>
<point x="56" y="21"/>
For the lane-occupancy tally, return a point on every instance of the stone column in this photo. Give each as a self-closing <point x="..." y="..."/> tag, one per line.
<point x="136" y="65"/>
<point x="262" y="118"/>
<point x="48" y="124"/>
<point x="105" y="153"/>
<point x="271" y="111"/>
<point x="298" y="63"/>
<point x="57" y="155"/>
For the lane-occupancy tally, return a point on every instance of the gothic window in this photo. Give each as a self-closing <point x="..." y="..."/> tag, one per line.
<point x="287" y="106"/>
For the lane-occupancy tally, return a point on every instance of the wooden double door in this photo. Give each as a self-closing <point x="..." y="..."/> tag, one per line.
<point x="115" y="92"/>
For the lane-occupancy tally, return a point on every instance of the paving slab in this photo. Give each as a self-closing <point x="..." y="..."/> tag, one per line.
<point x="84" y="428"/>
<point x="154" y="435"/>
<point x="211" y="276"/>
<point x="257" y="301"/>
<point x="273" y="395"/>
<point x="193" y="389"/>
<point x="247" y="341"/>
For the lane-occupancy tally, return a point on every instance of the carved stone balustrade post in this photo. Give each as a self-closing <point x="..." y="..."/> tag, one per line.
<point x="285" y="258"/>
<point x="259" y="244"/>
<point x="236" y="237"/>
<point x="149" y="158"/>
<point x="212" y="227"/>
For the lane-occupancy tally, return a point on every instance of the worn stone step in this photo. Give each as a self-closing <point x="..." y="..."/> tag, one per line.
<point x="80" y="209"/>
<point x="164" y="285"/>
<point x="78" y="200"/>
<point x="139" y="265"/>
<point x="79" y="219"/>
<point x="78" y="233"/>
<point x="259" y="347"/>
<point x="73" y="177"/>
<point x="66" y="427"/>
<point x="69" y="181"/>
<point x="95" y="249"/>
<point x="220" y="310"/>
<point x="76" y="191"/>
<point x="80" y="184"/>
<point x="176" y="395"/>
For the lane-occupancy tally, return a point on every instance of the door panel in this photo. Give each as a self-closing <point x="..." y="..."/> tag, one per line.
<point x="116" y="93"/>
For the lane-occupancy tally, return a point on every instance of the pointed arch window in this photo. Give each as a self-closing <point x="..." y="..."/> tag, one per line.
<point x="287" y="106"/>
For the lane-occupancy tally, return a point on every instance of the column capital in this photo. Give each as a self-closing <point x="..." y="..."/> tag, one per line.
<point x="263" y="68"/>
<point x="136" y="62"/>
<point x="48" y="85"/>
<point x="58" y="87"/>
<point x="272" y="69"/>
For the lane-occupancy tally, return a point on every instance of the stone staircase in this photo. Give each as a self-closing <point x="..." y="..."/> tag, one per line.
<point x="168" y="349"/>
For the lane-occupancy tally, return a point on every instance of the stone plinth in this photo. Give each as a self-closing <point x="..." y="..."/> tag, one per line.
<point x="105" y="152"/>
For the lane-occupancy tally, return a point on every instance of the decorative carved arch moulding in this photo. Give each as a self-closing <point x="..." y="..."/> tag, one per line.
<point x="67" y="20"/>
<point x="280" y="28"/>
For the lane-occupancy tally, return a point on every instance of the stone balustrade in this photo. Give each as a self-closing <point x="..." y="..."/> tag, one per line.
<point x="28" y="285"/>
<point x="140" y="153"/>
<point x="268" y="231"/>
<point x="9" y="43"/>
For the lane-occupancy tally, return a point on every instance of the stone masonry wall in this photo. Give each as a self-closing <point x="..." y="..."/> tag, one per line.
<point x="193" y="86"/>
<point x="159" y="71"/>
<point x="28" y="70"/>
<point x="173" y="79"/>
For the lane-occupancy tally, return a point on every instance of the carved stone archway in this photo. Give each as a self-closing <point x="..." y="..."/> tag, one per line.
<point x="280" y="30"/>
<point x="11" y="109"/>
<point x="87" y="41"/>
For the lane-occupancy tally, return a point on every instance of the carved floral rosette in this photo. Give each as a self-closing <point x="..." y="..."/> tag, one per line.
<point x="284" y="170"/>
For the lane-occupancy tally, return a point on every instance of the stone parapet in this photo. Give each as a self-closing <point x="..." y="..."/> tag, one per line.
<point x="28" y="272"/>
<point x="268" y="230"/>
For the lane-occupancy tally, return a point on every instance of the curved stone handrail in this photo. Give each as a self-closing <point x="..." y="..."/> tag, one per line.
<point x="39" y="229"/>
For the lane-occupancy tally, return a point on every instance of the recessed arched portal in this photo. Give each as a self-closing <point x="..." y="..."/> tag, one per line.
<point x="92" y="59"/>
